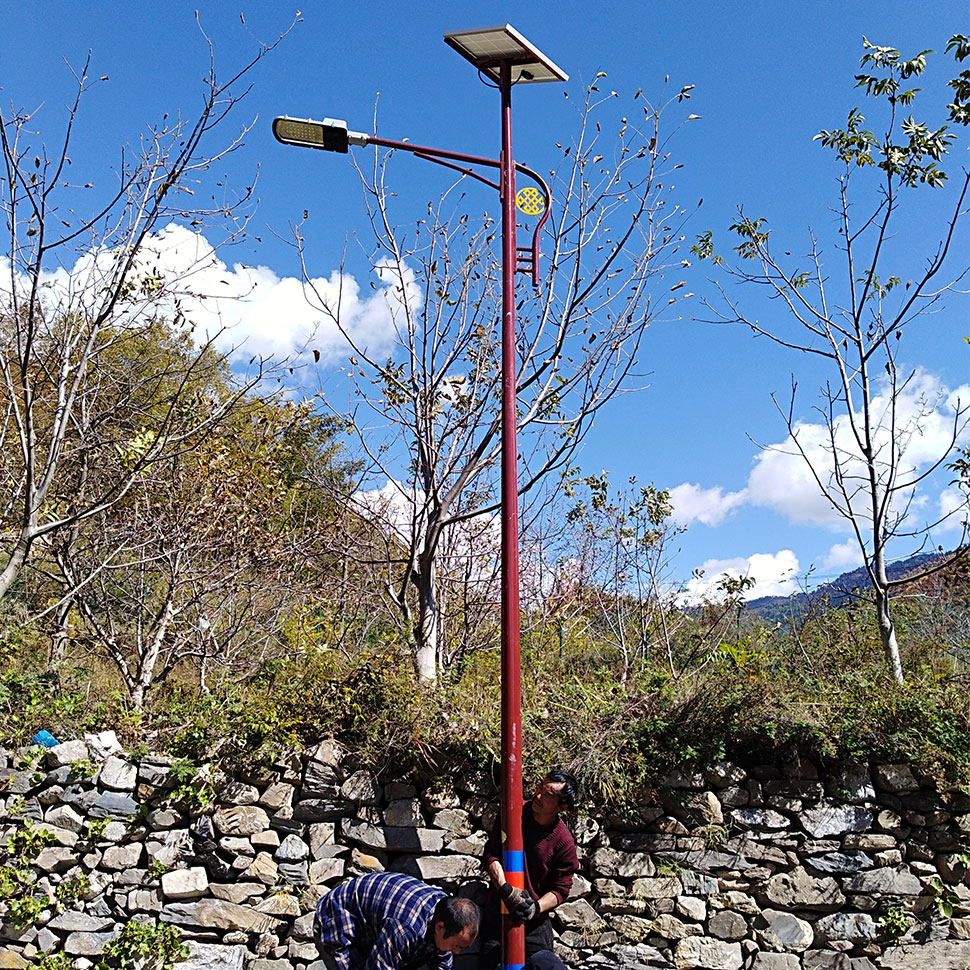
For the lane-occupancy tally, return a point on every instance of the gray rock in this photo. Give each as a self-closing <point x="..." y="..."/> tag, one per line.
<point x="263" y="868"/>
<point x="706" y="808"/>
<point x="840" y="863"/>
<point x="237" y="845"/>
<point x="278" y="795"/>
<point x="361" y="787"/>
<point x="56" y="858"/>
<point x="171" y="848"/>
<point x="937" y="955"/>
<point x="144" y="901"/>
<point x="296" y="873"/>
<point x="363" y="833"/>
<point x="783" y="931"/>
<point x="703" y="951"/>
<point x="826" y="820"/>
<point x="292" y="849"/>
<point x="303" y="927"/>
<point x="155" y="774"/>
<point x="163" y="818"/>
<point x="670" y="928"/>
<point x="62" y="837"/>
<point x="776" y="961"/>
<point x="726" y="924"/>
<point x="117" y="774"/>
<point x="327" y="753"/>
<point x="67" y="753"/>
<point x="680" y="779"/>
<point x="221" y="915"/>
<point x="697" y="884"/>
<point x="446" y="867"/>
<point x="75" y="922"/>
<point x="857" y="927"/>
<point x="320" y="781"/>
<point x="240" y="820"/>
<point x="326" y="870"/>
<point x="761" y="818"/>
<point x="118" y="857"/>
<point x="65" y="817"/>
<point x="579" y="915"/>
<point x="798" y="890"/>
<point x="893" y="882"/>
<point x="280" y="904"/>
<point x="238" y="793"/>
<point x="896" y="778"/>
<point x="692" y="908"/>
<point x="473" y="845"/>
<point x="185" y="883"/>
<point x="87" y="944"/>
<point x="627" y="865"/>
<point x="319" y="810"/>
<point x="236" y="892"/>
<point x="454" y="821"/>
<point x="663" y="887"/>
<point x="321" y="834"/>
<point x="112" y="805"/>
<point x="207" y="956"/>
<point x="268" y="840"/>
<point x="726" y="775"/>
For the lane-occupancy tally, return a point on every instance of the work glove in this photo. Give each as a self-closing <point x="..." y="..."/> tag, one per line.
<point x="521" y="906"/>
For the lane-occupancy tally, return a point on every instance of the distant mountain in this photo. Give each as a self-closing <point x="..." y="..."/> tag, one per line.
<point x="841" y="590"/>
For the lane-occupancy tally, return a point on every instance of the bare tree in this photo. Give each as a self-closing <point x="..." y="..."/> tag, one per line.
<point x="854" y="321"/>
<point x="81" y="286"/>
<point x="427" y="414"/>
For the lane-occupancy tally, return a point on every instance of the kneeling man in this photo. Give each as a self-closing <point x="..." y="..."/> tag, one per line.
<point x="389" y="921"/>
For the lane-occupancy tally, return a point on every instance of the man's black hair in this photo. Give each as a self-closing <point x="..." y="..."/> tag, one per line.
<point x="569" y="794"/>
<point x="456" y="913"/>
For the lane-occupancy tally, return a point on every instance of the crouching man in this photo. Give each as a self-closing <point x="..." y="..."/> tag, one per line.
<point x="389" y="921"/>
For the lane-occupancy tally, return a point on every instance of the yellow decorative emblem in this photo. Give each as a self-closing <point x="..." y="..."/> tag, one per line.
<point x="530" y="201"/>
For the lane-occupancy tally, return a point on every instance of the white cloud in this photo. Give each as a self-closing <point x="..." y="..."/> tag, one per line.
<point x="710" y="506"/>
<point x="953" y="509"/>
<point x="258" y="312"/>
<point x="781" y="479"/>
<point x="774" y="574"/>
<point x="842" y="557"/>
<point x="246" y="310"/>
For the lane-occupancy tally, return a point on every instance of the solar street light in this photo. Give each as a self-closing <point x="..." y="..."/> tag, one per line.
<point x="505" y="57"/>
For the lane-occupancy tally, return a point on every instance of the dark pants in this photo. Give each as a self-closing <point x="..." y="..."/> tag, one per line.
<point x="326" y="956"/>
<point x="538" y="951"/>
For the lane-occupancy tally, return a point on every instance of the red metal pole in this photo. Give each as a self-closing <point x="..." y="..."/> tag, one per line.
<point x="513" y="860"/>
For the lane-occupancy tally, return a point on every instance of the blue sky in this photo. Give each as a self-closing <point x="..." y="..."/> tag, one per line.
<point x="767" y="77"/>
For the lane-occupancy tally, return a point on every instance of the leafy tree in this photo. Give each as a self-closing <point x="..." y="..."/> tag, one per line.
<point x="204" y="560"/>
<point x="854" y="320"/>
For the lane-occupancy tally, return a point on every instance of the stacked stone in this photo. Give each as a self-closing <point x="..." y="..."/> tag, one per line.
<point x="769" y="868"/>
<point x="779" y="869"/>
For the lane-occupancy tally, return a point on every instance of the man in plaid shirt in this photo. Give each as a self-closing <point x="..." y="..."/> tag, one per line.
<point x="389" y="921"/>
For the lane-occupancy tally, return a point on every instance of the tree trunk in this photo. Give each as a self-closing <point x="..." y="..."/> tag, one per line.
<point x="146" y="666"/>
<point x="18" y="557"/>
<point x="887" y="633"/>
<point x="426" y="628"/>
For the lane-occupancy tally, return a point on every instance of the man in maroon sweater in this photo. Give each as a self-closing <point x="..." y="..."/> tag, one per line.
<point x="550" y="861"/>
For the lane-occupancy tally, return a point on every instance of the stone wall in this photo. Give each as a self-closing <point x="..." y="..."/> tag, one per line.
<point x="769" y="867"/>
